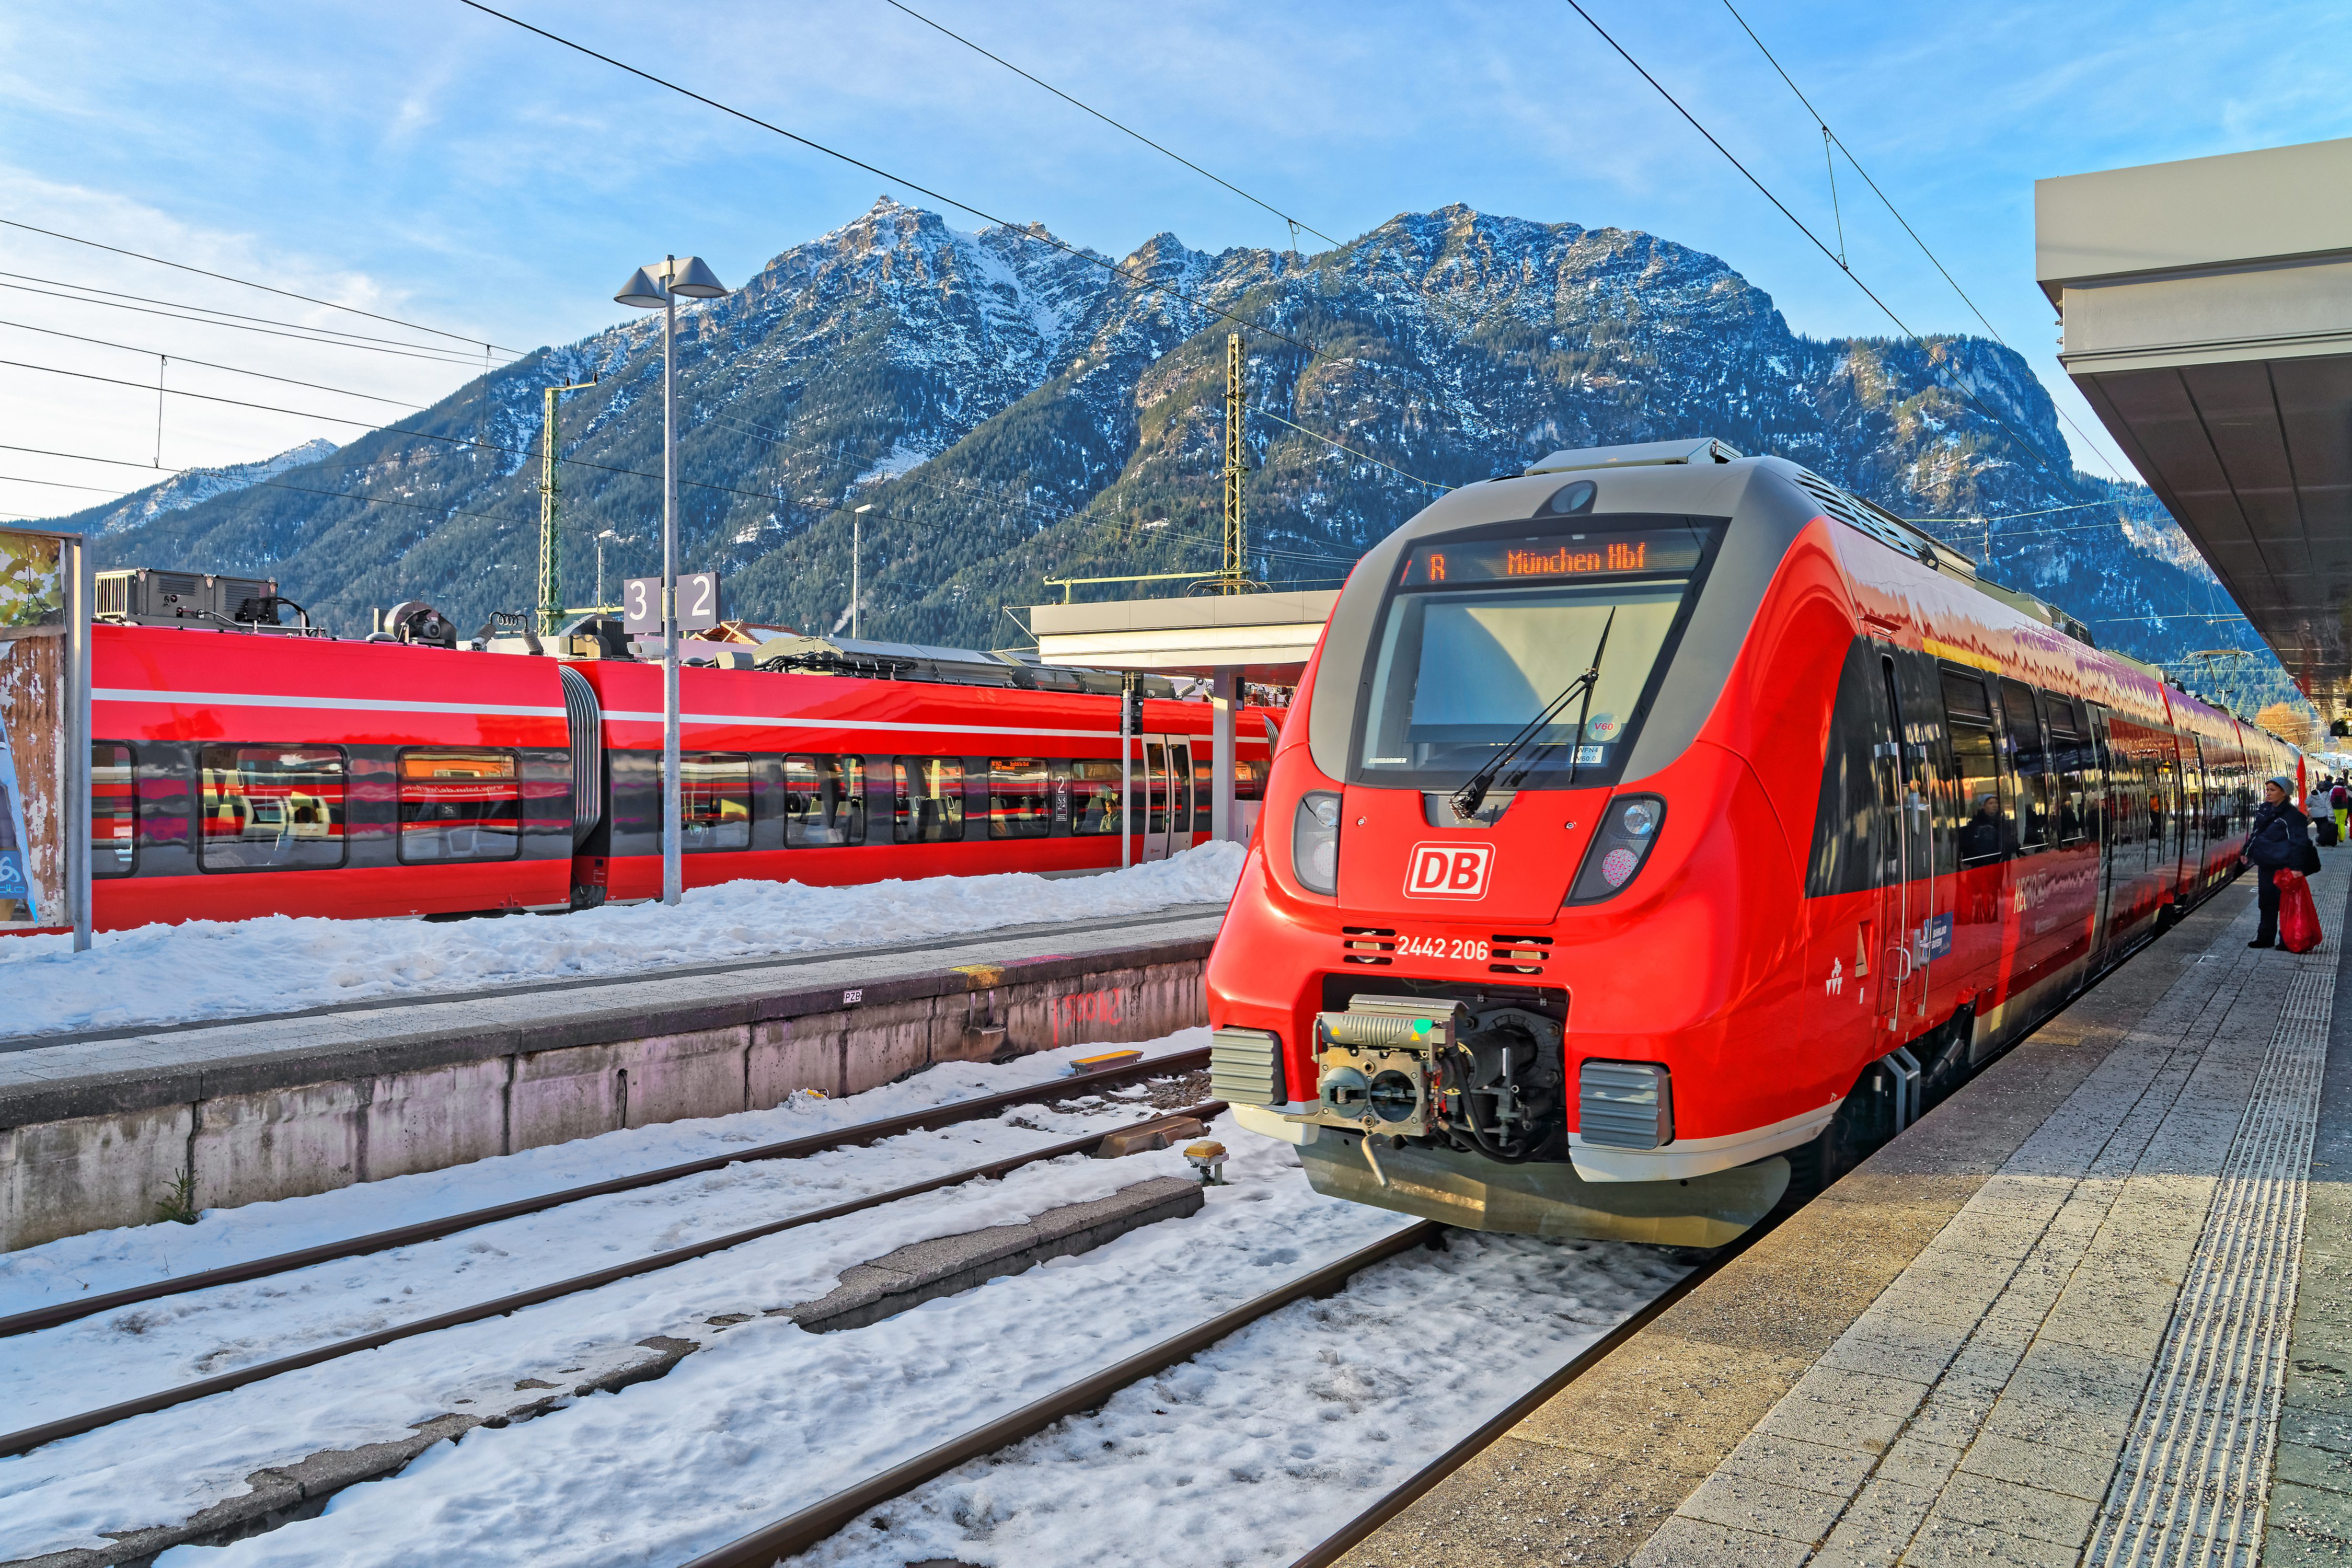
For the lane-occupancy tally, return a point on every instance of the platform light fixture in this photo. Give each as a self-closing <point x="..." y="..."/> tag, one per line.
<point x="658" y="286"/>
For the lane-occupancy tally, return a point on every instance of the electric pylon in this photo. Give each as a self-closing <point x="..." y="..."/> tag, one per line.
<point x="550" y="598"/>
<point x="1235" y="578"/>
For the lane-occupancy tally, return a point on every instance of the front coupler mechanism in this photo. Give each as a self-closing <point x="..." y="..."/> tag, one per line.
<point x="1485" y="1080"/>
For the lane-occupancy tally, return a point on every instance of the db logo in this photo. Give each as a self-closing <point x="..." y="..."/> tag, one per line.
<point x="1448" y="870"/>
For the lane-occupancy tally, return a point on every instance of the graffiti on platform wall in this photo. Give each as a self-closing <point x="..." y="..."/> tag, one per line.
<point x="16" y="870"/>
<point x="1088" y="1015"/>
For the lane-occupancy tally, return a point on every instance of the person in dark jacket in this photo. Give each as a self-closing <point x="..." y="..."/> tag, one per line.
<point x="2274" y="845"/>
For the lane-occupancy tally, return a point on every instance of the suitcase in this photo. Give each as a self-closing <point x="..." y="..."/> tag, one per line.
<point x="2325" y="827"/>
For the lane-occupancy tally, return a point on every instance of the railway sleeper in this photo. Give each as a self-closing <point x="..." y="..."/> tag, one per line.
<point x="867" y="1293"/>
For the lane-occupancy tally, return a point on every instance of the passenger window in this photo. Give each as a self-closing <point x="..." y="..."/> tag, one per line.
<point x="825" y="801"/>
<point x="1180" y="800"/>
<point x="928" y="806"/>
<point x="270" y="808"/>
<point x="715" y="801"/>
<point x="2070" y="748"/>
<point x="113" y="809"/>
<point x="1249" y="780"/>
<point x="1204" y="785"/>
<point x="460" y="806"/>
<point x="1976" y="770"/>
<point x="1094" y="798"/>
<point x="1019" y="797"/>
<point x="2031" y="762"/>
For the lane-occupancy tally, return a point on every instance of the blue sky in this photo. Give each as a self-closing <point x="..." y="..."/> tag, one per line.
<point x="431" y="162"/>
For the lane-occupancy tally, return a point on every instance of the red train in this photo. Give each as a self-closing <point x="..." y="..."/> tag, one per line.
<point x="1663" y="828"/>
<point x="238" y="774"/>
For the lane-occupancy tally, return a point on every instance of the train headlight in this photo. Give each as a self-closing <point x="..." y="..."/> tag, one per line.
<point x="1315" y="842"/>
<point x="1629" y="830"/>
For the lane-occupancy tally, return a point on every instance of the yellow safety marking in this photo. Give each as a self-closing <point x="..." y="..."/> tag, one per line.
<point x="977" y="975"/>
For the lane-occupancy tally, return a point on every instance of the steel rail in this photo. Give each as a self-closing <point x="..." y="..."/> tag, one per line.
<point x="31" y="1437"/>
<point x="945" y="1115"/>
<point x="1427" y="1480"/>
<point x="801" y="1531"/>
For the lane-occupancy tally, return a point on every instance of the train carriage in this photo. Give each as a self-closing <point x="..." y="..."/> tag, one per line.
<point x="1662" y="828"/>
<point x="237" y="773"/>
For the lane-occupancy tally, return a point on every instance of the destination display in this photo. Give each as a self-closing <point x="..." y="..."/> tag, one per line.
<point x="1559" y="557"/>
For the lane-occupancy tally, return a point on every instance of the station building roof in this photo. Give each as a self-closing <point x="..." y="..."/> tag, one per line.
<point x="2207" y="311"/>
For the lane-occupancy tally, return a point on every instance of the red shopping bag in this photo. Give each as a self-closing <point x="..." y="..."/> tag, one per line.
<point x="2298" y="916"/>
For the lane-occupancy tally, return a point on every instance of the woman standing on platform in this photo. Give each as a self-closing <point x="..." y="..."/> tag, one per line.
<point x="2280" y="833"/>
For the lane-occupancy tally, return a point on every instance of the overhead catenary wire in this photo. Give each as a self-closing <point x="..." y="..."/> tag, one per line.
<point x="1295" y="224"/>
<point x="1140" y="281"/>
<point x="468" y="338"/>
<point x="1957" y="384"/>
<point x="1829" y="136"/>
<point x="209" y="364"/>
<point x="444" y="511"/>
<point x="270" y="326"/>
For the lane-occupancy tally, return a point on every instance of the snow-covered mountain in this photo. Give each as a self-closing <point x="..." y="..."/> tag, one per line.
<point x="1012" y="409"/>
<point x="193" y="486"/>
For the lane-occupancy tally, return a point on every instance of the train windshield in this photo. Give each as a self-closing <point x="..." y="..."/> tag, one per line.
<point x="1477" y="641"/>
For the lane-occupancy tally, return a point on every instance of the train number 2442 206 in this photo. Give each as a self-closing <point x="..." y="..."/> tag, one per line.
<point x="1468" y="948"/>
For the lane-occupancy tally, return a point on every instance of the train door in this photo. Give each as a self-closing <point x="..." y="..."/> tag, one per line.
<point x="1907" y="795"/>
<point x="2165" y="798"/>
<point x="2112" y="807"/>
<point x="2188" y="872"/>
<point x="1155" y="786"/>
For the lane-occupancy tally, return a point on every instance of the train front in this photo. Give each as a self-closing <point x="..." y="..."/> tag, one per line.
<point x="1512" y="944"/>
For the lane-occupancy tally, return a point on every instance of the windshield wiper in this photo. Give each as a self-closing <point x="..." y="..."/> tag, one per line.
<point x="1472" y="794"/>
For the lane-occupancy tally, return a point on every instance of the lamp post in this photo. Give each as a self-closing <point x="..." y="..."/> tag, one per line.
<point x="608" y="533"/>
<point x="856" y="520"/>
<point x="651" y="288"/>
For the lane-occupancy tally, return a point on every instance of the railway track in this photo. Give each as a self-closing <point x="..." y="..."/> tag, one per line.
<point x="806" y="1527"/>
<point x="938" y="1116"/>
<point x="25" y="1439"/>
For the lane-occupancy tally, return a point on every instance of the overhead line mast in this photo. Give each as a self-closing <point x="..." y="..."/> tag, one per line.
<point x="551" y="547"/>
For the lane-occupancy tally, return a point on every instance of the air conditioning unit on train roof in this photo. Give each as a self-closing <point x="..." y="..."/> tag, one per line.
<point x="149" y="595"/>
<point x="1704" y="449"/>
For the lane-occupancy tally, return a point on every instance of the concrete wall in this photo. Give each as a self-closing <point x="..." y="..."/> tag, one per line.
<point x="66" y="1174"/>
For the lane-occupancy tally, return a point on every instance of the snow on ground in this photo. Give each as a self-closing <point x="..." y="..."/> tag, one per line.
<point x="1345" y="1396"/>
<point x="205" y="969"/>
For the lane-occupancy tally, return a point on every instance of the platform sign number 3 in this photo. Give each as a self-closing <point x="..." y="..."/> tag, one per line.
<point x="697" y="604"/>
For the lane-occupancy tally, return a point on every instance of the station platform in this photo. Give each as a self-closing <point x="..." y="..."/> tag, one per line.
<point x="96" y="1128"/>
<point x="2096" y="1309"/>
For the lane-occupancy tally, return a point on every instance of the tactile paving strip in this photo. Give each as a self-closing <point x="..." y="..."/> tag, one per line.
<point x="2195" y="1471"/>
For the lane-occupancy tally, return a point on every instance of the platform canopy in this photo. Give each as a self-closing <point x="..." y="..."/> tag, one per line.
<point x="1261" y="637"/>
<point x="2207" y="308"/>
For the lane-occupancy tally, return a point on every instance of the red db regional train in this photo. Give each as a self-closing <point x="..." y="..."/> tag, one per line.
<point x="1657" y="831"/>
<point x="242" y="772"/>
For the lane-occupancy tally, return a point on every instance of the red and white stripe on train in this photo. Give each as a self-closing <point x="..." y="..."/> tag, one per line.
<point x="236" y="774"/>
<point x="1833" y="823"/>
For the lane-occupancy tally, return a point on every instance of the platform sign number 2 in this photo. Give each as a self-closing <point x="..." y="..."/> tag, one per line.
<point x="697" y="604"/>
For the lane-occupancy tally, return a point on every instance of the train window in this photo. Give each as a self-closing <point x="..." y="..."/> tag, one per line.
<point x="1204" y="785"/>
<point x="1182" y="800"/>
<point x="2028" y="758"/>
<point x="2070" y="759"/>
<point x="1976" y="770"/>
<point x="1850" y="826"/>
<point x="270" y="808"/>
<point x="714" y="804"/>
<point x="1249" y="779"/>
<point x="1094" y="797"/>
<point x="825" y="801"/>
<point x="1019" y="797"/>
<point x="113" y="809"/>
<point x="1156" y="783"/>
<point x="460" y="806"/>
<point x="928" y="800"/>
<point x="1463" y="661"/>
